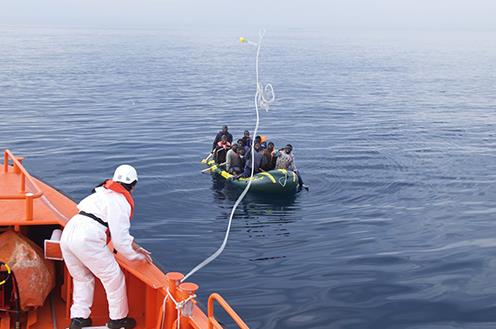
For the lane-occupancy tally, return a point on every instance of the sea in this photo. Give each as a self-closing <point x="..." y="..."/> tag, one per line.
<point x="394" y="132"/>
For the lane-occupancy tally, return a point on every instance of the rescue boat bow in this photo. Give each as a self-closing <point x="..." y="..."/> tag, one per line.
<point x="33" y="210"/>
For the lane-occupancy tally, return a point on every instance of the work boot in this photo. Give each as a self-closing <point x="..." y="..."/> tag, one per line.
<point x="126" y="323"/>
<point x="78" y="323"/>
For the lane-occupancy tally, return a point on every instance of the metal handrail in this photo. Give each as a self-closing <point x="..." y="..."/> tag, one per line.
<point x="222" y="302"/>
<point x="23" y="195"/>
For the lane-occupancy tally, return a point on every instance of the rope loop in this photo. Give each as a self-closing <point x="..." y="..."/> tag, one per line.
<point x="265" y="96"/>
<point x="285" y="179"/>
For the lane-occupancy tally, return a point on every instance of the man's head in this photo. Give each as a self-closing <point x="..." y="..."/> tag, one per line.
<point x="270" y="146"/>
<point x="258" y="139"/>
<point x="240" y="142"/>
<point x="246" y="133"/>
<point x="126" y="175"/>
<point x="224" y="129"/>
<point x="234" y="147"/>
<point x="241" y="151"/>
<point x="257" y="146"/>
<point x="288" y="148"/>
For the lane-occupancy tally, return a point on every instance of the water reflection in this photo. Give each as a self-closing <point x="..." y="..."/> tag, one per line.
<point x="260" y="215"/>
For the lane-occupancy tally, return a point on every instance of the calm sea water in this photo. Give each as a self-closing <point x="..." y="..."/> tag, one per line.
<point x="395" y="133"/>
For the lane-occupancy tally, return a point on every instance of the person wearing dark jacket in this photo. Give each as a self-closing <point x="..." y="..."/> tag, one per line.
<point x="246" y="138"/>
<point x="219" y="135"/>
<point x="221" y="150"/>
<point x="258" y="161"/>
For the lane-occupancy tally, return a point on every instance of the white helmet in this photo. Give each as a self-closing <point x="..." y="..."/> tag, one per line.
<point x="125" y="174"/>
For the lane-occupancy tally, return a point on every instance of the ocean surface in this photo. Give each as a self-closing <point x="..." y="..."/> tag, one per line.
<point x="395" y="134"/>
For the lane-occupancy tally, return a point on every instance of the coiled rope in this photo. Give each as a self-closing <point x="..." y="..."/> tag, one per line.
<point x="264" y="96"/>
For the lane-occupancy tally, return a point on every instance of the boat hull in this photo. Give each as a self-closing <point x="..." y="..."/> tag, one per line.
<point x="278" y="181"/>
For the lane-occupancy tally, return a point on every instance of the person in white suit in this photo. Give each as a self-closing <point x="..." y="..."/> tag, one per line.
<point x="104" y="214"/>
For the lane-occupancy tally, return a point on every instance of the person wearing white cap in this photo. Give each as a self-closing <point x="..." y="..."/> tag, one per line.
<point x="104" y="214"/>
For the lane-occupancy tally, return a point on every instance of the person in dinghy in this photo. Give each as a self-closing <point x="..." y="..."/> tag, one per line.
<point x="103" y="215"/>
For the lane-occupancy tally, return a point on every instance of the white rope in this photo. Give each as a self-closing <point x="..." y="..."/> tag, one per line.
<point x="179" y="306"/>
<point x="53" y="208"/>
<point x="285" y="180"/>
<point x="163" y="309"/>
<point x="264" y="96"/>
<point x="265" y="93"/>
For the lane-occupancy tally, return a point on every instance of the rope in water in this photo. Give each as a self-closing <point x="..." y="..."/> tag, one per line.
<point x="264" y="96"/>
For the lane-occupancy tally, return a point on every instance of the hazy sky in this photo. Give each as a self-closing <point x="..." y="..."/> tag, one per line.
<point x="331" y="14"/>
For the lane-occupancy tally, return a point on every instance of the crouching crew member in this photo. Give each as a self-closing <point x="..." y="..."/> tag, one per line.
<point x="103" y="214"/>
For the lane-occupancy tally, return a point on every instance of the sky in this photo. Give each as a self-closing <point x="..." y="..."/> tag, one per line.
<point x="320" y="14"/>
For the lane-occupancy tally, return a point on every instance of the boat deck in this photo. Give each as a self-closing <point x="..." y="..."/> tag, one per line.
<point x="13" y="211"/>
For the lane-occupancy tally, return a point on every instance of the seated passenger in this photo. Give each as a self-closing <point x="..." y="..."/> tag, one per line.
<point x="246" y="138"/>
<point x="221" y="150"/>
<point x="219" y="135"/>
<point x="257" y="161"/>
<point x="224" y="143"/>
<point x="268" y="158"/>
<point x="233" y="161"/>
<point x="262" y="141"/>
<point x="242" y="145"/>
<point x="285" y="160"/>
<point x="241" y="153"/>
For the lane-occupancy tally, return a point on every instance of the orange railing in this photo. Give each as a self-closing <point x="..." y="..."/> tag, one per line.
<point x="212" y="322"/>
<point x="178" y="295"/>
<point x="23" y="195"/>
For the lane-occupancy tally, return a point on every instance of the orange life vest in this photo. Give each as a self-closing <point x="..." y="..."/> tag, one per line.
<point x="116" y="187"/>
<point x="224" y="145"/>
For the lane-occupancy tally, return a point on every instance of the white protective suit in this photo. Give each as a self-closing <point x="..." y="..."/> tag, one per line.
<point x="85" y="251"/>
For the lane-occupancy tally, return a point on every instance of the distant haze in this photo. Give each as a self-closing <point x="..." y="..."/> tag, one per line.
<point x="331" y="14"/>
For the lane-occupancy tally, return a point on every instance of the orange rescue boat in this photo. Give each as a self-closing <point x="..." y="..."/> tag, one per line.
<point x="34" y="210"/>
